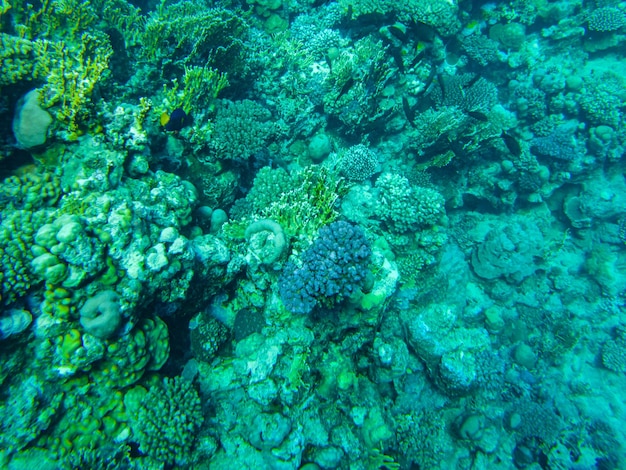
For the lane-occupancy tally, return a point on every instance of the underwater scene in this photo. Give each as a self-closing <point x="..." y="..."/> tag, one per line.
<point x="312" y="234"/>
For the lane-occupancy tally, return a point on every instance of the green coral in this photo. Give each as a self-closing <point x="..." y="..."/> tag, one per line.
<point x="26" y="412"/>
<point x="201" y="85"/>
<point x="66" y="253"/>
<point x="72" y="72"/>
<point x="440" y="14"/>
<point x="167" y="420"/>
<point x="93" y="418"/>
<point x="308" y="201"/>
<point x="26" y="208"/>
<point x="193" y="34"/>
<point x="240" y="130"/>
<point x="50" y="43"/>
<point x="145" y="348"/>
<point x="356" y="85"/>
<point x="16" y="59"/>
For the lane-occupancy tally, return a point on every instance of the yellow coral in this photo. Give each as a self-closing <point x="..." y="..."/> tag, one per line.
<point x="123" y="16"/>
<point x="72" y="76"/>
<point x="201" y="85"/>
<point x="16" y="59"/>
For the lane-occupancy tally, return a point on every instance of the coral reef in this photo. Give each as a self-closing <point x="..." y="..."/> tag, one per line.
<point x="306" y="234"/>
<point x="509" y="251"/>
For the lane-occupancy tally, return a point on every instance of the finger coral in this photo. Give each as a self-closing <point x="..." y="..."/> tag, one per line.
<point x="167" y="421"/>
<point x="332" y="269"/>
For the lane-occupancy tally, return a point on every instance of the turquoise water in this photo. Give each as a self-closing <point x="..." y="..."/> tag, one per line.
<point x="282" y="234"/>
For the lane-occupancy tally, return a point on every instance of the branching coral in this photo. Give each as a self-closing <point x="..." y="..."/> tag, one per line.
<point x="241" y="129"/>
<point x="407" y="208"/>
<point x="201" y="85"/>
<point x="358" y="163"/>
<point x="167" y="420"/>
<point x="190" y="34"/>
<point x="50" y="43"/>
<point x="71" y="75"/>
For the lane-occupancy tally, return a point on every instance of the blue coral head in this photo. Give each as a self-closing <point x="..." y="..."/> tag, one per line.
<point x="332" y="268"/>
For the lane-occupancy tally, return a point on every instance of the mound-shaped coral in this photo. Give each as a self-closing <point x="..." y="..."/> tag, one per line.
<point x="509" y="251"/>
<point x="332" y="269"/>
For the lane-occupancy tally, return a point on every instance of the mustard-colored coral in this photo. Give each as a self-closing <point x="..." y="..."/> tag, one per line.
<point x="146" y="347"/>
<point x="50" y="43"/>
<point x="201" y="85"/>
<point x="16" y="59"/>
<point x="71" y="76"/>
<point x="93" y="418"/>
